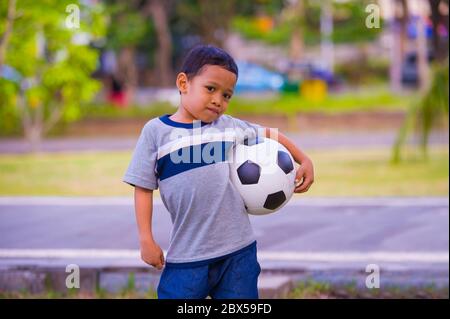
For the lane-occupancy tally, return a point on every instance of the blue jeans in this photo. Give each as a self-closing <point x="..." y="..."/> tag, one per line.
<point x="233" y="276"/>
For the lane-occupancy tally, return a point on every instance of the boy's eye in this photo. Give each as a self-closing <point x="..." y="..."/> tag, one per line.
<point x="212" y="89"/>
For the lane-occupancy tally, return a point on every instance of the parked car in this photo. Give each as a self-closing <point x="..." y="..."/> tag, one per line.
<point x="410" y="76"/>
<point x="310" y="70"/>
<point x="256" y="78"/>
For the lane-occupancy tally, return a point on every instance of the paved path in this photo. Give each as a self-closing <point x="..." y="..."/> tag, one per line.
<point x="307" y="140"/>
<point x="317" y="233"/>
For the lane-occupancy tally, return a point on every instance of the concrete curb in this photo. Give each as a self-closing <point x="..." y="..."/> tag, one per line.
<point x="273" y="283"/>
<point x="113" y="280"/>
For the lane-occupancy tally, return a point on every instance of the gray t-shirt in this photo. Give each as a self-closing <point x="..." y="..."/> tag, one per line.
<point x="188" y="162"/>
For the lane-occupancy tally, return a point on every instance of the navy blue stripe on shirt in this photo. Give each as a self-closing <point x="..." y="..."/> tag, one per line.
<point x="166" y="119"/>
<point x="183" y="159"/>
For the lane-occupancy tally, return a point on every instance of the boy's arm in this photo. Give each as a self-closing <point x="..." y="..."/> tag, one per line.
<point x="305" y="173"/>
<point x="151" y="253"/>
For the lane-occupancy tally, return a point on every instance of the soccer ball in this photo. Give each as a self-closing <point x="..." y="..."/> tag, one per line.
<point x="264" y="174"/>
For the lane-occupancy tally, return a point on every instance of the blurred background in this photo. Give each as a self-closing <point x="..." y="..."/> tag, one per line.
<point x="87" y="76"/>
<point x="361" y="86"/>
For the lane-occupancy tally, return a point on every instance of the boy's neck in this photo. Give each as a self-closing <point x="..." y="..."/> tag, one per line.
<point x="181" y="116"/>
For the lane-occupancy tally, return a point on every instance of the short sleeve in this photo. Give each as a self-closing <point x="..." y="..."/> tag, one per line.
<point x="142" y="168"/>
<point x="247" y="130"/>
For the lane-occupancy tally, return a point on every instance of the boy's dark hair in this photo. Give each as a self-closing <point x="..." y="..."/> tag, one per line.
<point x="203" y="55"/>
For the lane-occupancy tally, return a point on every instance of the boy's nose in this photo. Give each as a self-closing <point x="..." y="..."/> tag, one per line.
<point x="216" y="101"/>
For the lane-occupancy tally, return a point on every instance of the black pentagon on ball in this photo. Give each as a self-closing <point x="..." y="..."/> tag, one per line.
<point x="249" y="172"/>
<point x="273" y="201"/>
<point x="285" y="162"/>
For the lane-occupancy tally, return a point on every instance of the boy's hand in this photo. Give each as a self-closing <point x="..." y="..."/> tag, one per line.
<point x="304" y="177"/>
<point x="152" y="254"/>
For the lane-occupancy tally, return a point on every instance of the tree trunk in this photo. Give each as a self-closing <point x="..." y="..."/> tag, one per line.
<point x="398" y="31"/>
<point x="127" y="71"/>
<point x="34" y="138"/>
<point x="32" y="126"/>
<point x="296" y="43"/>
<point x="8" y="30"/>
<point x="403" y="19"/>
<point x="423" y="69"/>
<point x="437" y="18"/>
<point x="214" y="20"/>
<point x="31" y="132"/>
<point x="395" y="71"/>
<point x="164" y="52"/>
<point x="326" y="30"/>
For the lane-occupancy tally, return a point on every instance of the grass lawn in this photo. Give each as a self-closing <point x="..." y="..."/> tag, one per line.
<point x="338" y="173"/>
<point x="364" y="99"/>
<point x="370" y="99"/>
<point x="323" y="290"/>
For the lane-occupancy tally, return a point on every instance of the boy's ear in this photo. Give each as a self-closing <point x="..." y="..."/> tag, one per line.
<point x="182" y="82"/>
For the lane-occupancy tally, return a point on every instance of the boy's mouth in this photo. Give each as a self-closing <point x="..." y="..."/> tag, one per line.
<point x="215" y="111"/>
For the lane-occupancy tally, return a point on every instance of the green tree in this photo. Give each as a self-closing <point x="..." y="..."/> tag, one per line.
<point x="426" y="113"/>
<point x="124" y="35"/>
<point x="141" y="26"/>
<point x="289" y="21"/>
<point x="48" y="49"/>
<point x="210" y="20"/>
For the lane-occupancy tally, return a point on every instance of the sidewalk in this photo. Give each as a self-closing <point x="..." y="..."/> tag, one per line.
<point x="308" y="140"/>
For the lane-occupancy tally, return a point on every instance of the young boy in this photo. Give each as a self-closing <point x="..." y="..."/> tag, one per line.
<point x="212" y="249"/>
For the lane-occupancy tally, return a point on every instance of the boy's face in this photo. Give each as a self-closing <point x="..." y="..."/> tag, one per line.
<point x="206" y="96"/>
